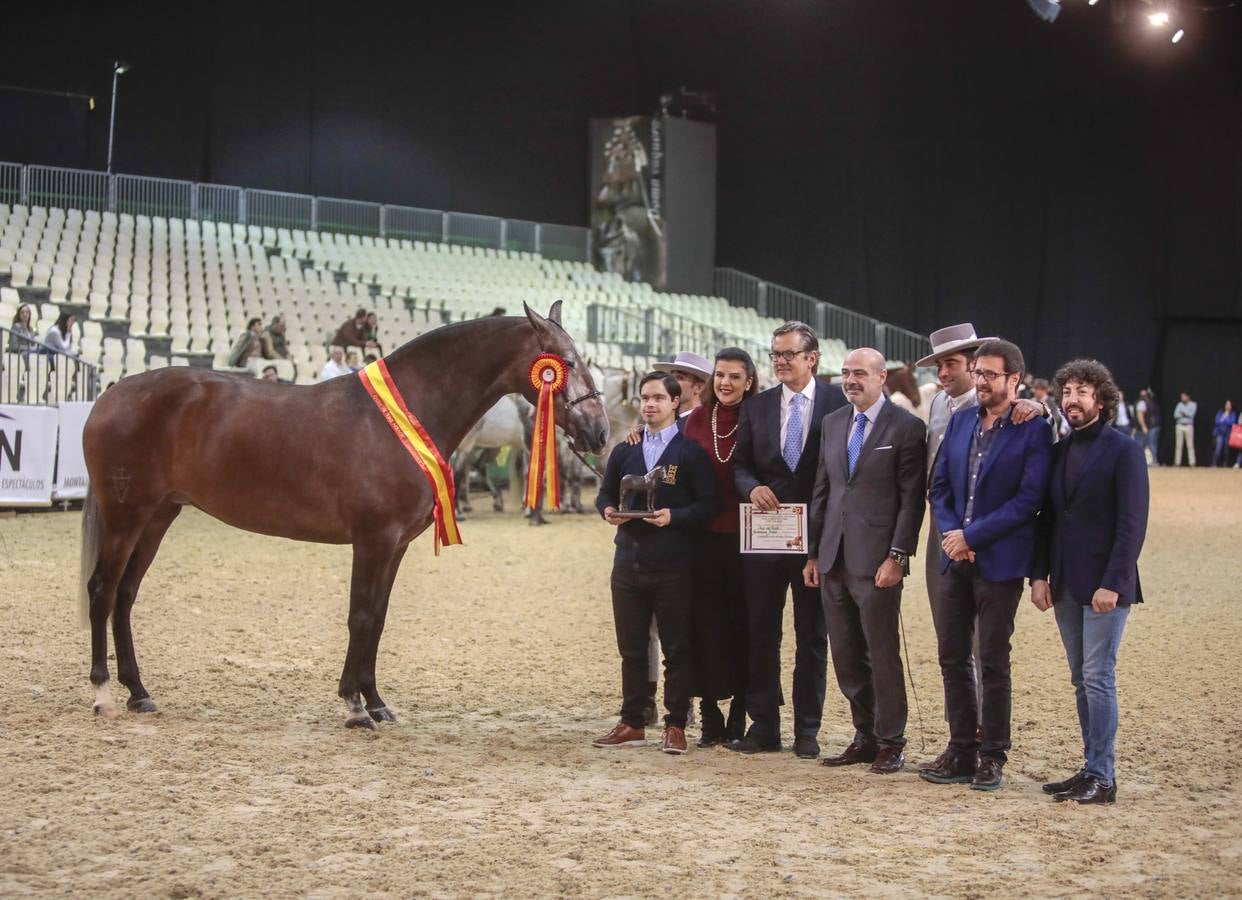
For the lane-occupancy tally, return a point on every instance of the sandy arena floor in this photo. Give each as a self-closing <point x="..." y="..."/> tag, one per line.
<point x="501" y="667"/>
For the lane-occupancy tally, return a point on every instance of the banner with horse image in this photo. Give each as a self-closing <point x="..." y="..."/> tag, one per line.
<point x="27" y="455"/>
<point x="628" y="235"/>
<point x="71" y="476"/>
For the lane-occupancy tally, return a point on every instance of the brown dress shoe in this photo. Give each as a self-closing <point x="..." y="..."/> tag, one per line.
<point x="674" y="740"/>
<point x="888" y="761"/>
<point x="622" y="735"/>
<point x="945" y="758"/>
<point x="854" y="753"/>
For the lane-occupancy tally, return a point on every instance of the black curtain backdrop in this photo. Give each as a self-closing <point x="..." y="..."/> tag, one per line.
<point x="1076" y="187"/>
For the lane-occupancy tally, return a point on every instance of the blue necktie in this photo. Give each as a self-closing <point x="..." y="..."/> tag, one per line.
<point x="856" y="441"/>
<point x="792" y="451"/>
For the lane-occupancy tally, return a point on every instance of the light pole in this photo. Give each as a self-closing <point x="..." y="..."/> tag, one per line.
<point x="119" y="68"/>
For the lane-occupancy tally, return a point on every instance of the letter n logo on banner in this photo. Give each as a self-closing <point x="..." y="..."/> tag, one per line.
<point x="11" y="452"/>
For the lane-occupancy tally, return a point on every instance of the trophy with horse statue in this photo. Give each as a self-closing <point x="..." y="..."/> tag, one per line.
<point x="632" y="486"/>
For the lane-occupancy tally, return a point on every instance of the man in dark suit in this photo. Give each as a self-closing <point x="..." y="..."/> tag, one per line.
<point x="863" y="527"/>
<point x="1091" y="532"/>
<point x="986" y="492"/>
<point x="771" y="467"/>
<point x="650" y="576"/>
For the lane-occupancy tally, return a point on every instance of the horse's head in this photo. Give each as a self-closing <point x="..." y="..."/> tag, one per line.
<point x="579" y="408"/>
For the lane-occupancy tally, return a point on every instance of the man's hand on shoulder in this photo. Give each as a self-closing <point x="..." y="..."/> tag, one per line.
<point x="1025" y="410"/>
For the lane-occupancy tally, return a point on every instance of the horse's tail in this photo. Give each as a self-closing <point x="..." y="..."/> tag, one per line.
<point x="91" y="529"/>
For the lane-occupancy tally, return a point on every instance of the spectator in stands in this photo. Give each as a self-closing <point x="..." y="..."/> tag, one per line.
<point x="1226" y="418"/>
<point x="1184" y="428"/>
<point x="270" y="374"/>
<point x="273" y="339"/>
<point x="22" y="340"/>
<point x="353" y="359"/>
<point x="369" y="358"/>
<point x="1147" y="415"/>
<point x="335" y="365"/>
<point x="353" y="332"/>
<point x="498" y="311"/>
<point x="372" y="344"/>
<point x="249" y="343"/>
<point x="60" y="336"/>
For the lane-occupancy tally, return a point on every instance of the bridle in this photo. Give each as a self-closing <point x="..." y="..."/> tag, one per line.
<point x="570" y="404"/>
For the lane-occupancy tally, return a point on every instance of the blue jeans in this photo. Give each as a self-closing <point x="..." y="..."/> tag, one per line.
<point x="1091" y="640"/>
<point x="1153" y="444"/>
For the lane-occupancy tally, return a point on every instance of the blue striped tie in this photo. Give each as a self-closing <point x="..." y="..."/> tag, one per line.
<point x="792" y="451"/>
<point x="856" y="441"/>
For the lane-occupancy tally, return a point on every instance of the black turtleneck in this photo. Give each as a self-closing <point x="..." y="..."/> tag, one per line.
<point x="1080" y="442"/>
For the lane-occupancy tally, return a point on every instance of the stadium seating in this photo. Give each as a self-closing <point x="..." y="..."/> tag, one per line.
<point x="150" y="291"/>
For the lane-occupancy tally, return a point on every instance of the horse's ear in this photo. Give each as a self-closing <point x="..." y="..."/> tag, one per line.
<point x="554" y="314"/>
<point x="542" y="326"/>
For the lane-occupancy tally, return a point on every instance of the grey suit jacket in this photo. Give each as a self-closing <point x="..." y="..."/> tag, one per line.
<point x="882" y="505"/>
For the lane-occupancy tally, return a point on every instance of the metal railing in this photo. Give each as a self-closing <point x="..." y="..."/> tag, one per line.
<point x="140" y="195"/>
<point x="657" y="332"/>
<point x="828" y="320"/>
<point x="33" y="373"/>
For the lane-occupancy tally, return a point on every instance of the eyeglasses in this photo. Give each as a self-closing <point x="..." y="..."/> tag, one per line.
<point x="988" y="375"/>
<point x="786" y="355"/>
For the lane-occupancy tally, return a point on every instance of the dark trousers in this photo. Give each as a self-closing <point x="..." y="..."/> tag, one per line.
<point x="967" y="601"/>
<point x="719" y="615"/>
<point x="637" y="595"/>
<point x="864" y="634"/>
<point x="933" y="565"/>
<point x="768" y="578"/>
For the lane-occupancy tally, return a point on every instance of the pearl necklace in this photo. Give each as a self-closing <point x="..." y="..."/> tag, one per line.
<point x="716" y="436"/>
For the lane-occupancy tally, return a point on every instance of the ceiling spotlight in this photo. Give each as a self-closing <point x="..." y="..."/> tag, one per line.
<point x="1048" y="10"/>
<point x="1159" y="19"/>
<point x="1092" y="2"/>
<point x="1179" y="34"/>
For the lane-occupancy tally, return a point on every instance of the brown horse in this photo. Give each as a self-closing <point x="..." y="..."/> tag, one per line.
<point x="192" y="437"/>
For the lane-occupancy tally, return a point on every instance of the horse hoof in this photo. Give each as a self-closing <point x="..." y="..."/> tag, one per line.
<point x="105" y="710"/>
<point x="362" y="721"/>
<point x="145" y="705"/>
<point x="382" y="714"/>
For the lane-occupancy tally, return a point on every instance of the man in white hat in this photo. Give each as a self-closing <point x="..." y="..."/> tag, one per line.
<point x="953" y="351"/>
<point x="692" y="372"/>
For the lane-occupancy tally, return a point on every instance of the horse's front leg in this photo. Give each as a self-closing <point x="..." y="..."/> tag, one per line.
<point x="376" y="707"/>
<point x="372" y="556"/>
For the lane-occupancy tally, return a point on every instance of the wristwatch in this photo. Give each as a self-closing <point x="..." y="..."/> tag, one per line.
<point x="902" y="559"/>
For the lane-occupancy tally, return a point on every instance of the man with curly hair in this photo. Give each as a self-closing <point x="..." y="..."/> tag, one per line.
<point x="1086" y="562"/>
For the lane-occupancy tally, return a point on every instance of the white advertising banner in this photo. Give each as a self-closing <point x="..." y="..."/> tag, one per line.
<point x="71" y="479"/>
<point x="27" y="455"/>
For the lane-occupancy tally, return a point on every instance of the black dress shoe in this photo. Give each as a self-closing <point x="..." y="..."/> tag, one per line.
<point x="988" y="774"/>
<point x="806" y="748"/>
<point x="853" y="754"/>
<point x="1060" y="787"/>
<point x="1089" y="790"/>
<point x="888" y="761"/>
<point x="949" y="768"/>
<point x="751" y="744"/>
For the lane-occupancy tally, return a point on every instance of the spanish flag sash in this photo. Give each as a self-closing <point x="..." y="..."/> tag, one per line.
<point x="383" y="390"/>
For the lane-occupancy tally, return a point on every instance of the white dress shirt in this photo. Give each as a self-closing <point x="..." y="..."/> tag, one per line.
<point x="333" y="369"/>
<point x="808" y="404"/>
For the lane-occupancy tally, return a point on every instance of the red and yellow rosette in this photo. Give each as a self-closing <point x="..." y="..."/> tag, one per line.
<point x="549" y="374"/>
<point x="417" y="442"/>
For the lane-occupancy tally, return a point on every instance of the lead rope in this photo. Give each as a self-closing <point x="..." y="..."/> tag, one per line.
<point x="918" y="707"/>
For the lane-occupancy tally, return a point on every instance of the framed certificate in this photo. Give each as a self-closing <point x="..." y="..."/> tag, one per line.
<point x="783" y="530"/>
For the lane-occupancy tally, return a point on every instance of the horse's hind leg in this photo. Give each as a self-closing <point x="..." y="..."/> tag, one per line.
<point x="122" y="636"/>
<point x="376" y="707"/>
<point x="115" y="547"/>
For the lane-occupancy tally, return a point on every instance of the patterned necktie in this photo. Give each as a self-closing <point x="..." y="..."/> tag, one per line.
<point x="792" y="450"/>
<point x="856" y="441"/>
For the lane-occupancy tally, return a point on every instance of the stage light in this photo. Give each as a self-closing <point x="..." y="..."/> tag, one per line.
<point x="1048" y="10"/>
<point x="1092" y="2"/>
<point x="1159" y="19"/>
<point x="1179" y="34"/>
<point x="119" y="68"/>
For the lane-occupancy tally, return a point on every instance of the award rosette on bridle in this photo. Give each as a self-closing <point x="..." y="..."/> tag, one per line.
<point x="549" y="374"/>
<point x="383" y="390"/>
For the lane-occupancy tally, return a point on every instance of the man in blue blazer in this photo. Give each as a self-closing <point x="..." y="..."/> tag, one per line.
<point x="986" y="492"/>
<point x="1091" y="532"/>
<point x="774" y="462"/>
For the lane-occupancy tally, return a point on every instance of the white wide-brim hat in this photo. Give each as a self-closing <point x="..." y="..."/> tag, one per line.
<point x="954" y="339"/>
<point x="690" y="363"/>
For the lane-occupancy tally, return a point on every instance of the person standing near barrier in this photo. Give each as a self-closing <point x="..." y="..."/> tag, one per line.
<point x="1184" y="428"/>
<point x="1086" y="563"/>
<point x="1147" y="415"/>
<point x="22" y="342"/>
<point x="771" y="467"/>
<point x="650" y="574"/>
<point x="862" y="528"/>
<point x="986" y="492"/>
<point x="1222" y="425"/>
<point x="719" y="612"/>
